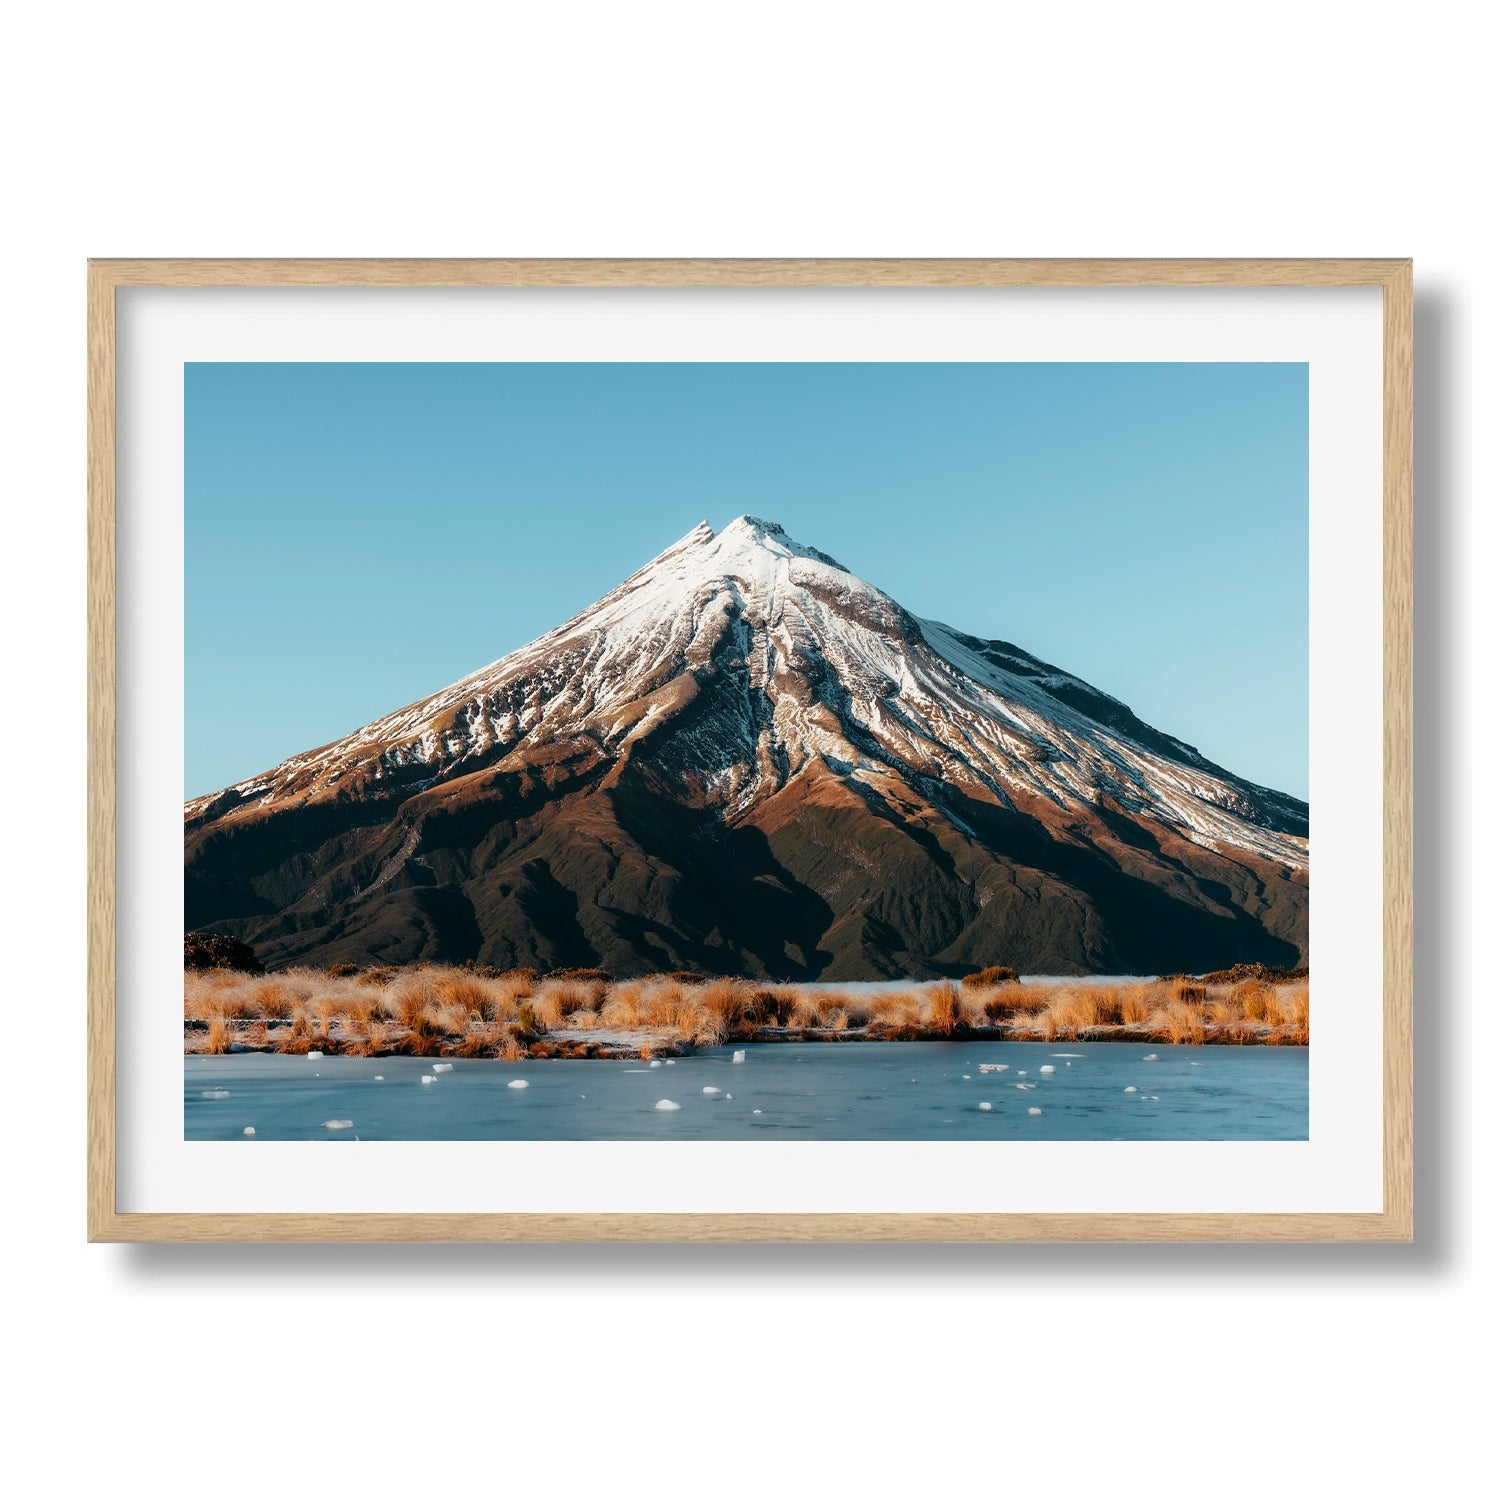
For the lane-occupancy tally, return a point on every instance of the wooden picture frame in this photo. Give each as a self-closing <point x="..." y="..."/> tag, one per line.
<point x="1394" y="1222"/>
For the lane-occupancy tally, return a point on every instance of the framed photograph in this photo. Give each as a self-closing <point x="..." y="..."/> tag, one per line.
<point x="729" y="750"/>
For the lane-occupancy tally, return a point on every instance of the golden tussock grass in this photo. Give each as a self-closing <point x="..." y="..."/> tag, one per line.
<point x="1297" y="1003"/>
<point x="462" y="992"/>
<point x="431" y="1008"/>
<point x="1178" y="1022"/>
<point x="945" y="1012"/>
<point x="1254" y="999"/>
<point x="1068" y="1013"/>
<point x="895" y="1008"/>
<point x="555" y="1000"/>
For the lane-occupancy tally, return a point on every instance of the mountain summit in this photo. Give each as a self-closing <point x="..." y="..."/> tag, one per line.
<point x="747" y="760"/>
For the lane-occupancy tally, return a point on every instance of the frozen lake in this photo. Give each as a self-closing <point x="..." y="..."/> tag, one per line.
<point x="904" y="1091"/>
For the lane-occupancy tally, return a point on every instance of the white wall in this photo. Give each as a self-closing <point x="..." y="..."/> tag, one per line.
<point x="156" y="129"/>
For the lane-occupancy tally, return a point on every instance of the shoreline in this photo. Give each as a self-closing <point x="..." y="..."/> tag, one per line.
<point x="626" y="1047"/>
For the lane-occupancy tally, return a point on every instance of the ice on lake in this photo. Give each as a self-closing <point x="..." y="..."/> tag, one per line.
<point x="811" y="1091"/>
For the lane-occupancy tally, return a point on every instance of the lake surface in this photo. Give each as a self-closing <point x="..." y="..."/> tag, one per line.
<point x="903" y="1091"/>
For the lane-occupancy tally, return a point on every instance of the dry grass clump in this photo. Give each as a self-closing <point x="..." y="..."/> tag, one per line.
<point x="359" y="1007"/>
<point x="409" y="999"/>
<point x="1107" y="1002"/>
<point x="1015" y="1000"/>
<point x="807" y="1007"/>
<point x="1068" y="1013"/>
<point x="462" y="991"/>
<point x="622" y="1007"/>
<point x="985" y="979"/>
<point x="895" y="1008"/>
<point x="517" y="985"/>
<point x="555" y="1001"/>
<point x="1178" y="1023"/>
<point x="945" y="1010"/>
<point x="720" y="1004"/>
<point x="482" y="1041"/>
<point x="769" y="1007"/>
<point x="1296" y="1006"/>
<point x="1254" y="999"/>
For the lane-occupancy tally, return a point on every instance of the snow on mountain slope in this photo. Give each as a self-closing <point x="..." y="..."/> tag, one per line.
<point x="743" y="660"/>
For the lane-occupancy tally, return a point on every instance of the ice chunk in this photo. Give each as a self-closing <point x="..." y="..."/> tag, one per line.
<point x="1034" y="1110"/>
<point x="442" y="1067"/>
<point x="428" y="1078"/>
<point x="518" y="1083"/>
<point x="671" y="1062"/>
<point x="656" y="1064"/>
<point x="338" y="1124"/>
<point x="1151" y="1057"/>
<point x="708" y="1088"/>
<point x="313" y="1056"/>
<point x="986" y="1106"/>
<point x="1130" y="1088"/>
<point x="248" y="1130"/>
<point x="738" y="1057"/>
<point x="667" y="1104"/>
<point x="754" y="1111"/>
<point x="215" y="1093"/>
<point x="379" y="1078"/>
<point x="1046" y="1068"/>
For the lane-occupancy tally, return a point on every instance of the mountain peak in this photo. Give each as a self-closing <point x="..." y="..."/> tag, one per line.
<point x="755" y="526"/>
<point x="752" y="536"/>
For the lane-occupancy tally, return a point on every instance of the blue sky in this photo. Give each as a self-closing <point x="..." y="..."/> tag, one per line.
<point x="360" y="535"/>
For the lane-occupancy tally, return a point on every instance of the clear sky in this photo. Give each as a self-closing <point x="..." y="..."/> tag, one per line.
<point x="360" y="535"/>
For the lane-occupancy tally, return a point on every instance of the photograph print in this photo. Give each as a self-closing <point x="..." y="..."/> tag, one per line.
<point x="746" y="751"/>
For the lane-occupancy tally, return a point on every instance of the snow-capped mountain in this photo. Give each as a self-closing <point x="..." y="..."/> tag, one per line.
<point x="746" y="759"/>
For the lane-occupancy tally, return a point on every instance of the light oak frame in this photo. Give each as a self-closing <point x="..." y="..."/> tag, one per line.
<point x="1395" y="1220"/>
